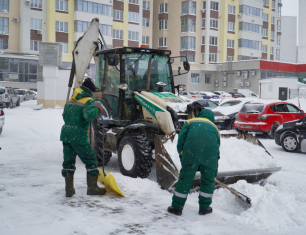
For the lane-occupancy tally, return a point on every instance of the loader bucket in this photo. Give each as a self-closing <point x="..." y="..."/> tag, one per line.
<point x="167" y="173"/>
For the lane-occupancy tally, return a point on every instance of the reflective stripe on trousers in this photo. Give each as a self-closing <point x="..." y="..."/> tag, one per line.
<point x="205" y="194"/>
<point x="180" y="195"/>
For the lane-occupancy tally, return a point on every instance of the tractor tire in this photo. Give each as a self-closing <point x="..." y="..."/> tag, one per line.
<point x="271" y="133"/>
<point x="95" y="135"/>
<point x="289" y="143"/>
<point x="135" y="156"/>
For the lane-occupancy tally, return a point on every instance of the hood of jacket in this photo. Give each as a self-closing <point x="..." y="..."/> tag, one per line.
<point x="206" y="113"/>
<point x="80" y="93"/>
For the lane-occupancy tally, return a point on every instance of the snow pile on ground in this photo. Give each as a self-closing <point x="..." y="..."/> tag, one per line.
<point x="33" y="202"/>
<point x="235" y="154"/>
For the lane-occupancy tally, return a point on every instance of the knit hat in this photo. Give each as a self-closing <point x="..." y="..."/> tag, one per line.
<point x="88" y="83"/>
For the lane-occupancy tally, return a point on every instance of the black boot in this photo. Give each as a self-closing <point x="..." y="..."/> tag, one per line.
<point x="92" y="187"/>
<point x="69" y="184"/>
<point x="174" y="211"/>
<point x="208" y="210"/>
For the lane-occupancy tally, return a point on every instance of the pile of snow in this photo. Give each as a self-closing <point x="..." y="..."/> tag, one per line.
<point x="235" y="154"/>
<point x="179" y="107"/>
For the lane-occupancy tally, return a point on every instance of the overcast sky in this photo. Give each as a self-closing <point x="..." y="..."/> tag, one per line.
<point x="290" y="7"/>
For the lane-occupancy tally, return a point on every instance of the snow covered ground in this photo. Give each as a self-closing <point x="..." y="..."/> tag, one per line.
<point x="32" y="197"/>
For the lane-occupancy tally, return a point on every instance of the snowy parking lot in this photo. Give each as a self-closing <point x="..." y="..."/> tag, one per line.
<point x="32" y="196"/>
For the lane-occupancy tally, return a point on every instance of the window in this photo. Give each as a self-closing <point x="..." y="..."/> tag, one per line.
<point x="251" y="44"/>
<point x="145" y="40"/>
<point x="133" y="36"/>
<point x="195" y="78"/>
<point x="187" y="43"/>
<point x="230" y="58"/>
<point x="265" y="33"/>
<point x="231" y="9"/>
<point x="35" y="4"/>
<point x="265" y="16"/>
<point x="133" y="17"/>
<point x="212" y="57"/>
<point x="249" y="27"/>
<point x="203" y="57"/>
<point x="204" y="5"/>
<point x="134" y="1"/>
<point x="214" y="6"/>
<point x="231" y="26"/>
<point x="278" y="40"/>
<point x="145" y="22"/>
<point x="291" y="108"/>
<point x="264" y="48"/>
<point x="117" y="34"/>
<point x="213" y="23"/>
<point x="189" y="8"/>
<point x="277" y="54"/>
<point x="4" y="25"/>
<point x="247" y="10"/>
<point x="105" y="29"/>
<point x="163" y="25"/>
<point x="61" y="26"/>
<point x="207" y="78"/>
<point x="80" y="26"/>
<point x="4" y="5"/>
<point x="230" y="43"/>
<point x="279" y="12"/>
<point x="271" y="50"/>
<point x="117" y="15"/>
<point x="81" y="5"/>
<point x="35" y="24"/>
<point x="203" y="23"/>
<point x="272" y="20"/>
<point x="3" y="44"/>
<point x="272" y="35"/>
<point x="273" y="5"/>
<point x="64" y="47"/>
<point x="162" y="42"/>
<point x="188" y="25"/>
<point x="279" y="26"/>
<point x="61" y="5"/>
<point x="146" y="5"/>
<point x="203" y="40"/>
<point x="213" y="41"/>
<point x="34" y="45"/>
<point x="266" y="2"/>
<point x="163" y="8"/>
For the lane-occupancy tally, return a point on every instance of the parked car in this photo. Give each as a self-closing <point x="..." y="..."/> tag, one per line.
<point x="208" y="95"/>
<point x="34" y="94"/>
<point x="2" y="117"/>
<point x="29" y="95"/>
<point x="21" y="94"/>
<point x="292" y="135"/>
<point x="208" y="104"/>
<point x="191" y="94"/>
<point x="237" y="95"/>
<point x="266" y="118"/>
<point x="9" y="97"/>
<point x="222" y="94"/>
<point x="225" y="113"/>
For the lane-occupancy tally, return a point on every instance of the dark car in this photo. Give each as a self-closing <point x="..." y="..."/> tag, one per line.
<point x="292" y="135"/>
<point x="208" y="104"/>
<point x="237" y="95"/>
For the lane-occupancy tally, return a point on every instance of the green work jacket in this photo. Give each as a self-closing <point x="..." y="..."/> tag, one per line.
<point x="199" y="141"/>
<point x="78" y="112"/>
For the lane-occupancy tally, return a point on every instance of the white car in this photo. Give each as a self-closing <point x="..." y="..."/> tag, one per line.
<point x="191" y="94"/>
<point x="2" y="117"/>
<point x="222" y="94"/>
<point x="29" y="95"/>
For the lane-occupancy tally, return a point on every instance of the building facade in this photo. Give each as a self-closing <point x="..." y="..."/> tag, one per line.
<point x="289" y="39"/>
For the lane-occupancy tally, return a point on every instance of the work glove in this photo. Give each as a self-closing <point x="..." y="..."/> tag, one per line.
<point x="99" y="109"/>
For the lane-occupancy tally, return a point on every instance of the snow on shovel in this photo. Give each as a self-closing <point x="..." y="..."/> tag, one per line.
<point x="233" y="191"/>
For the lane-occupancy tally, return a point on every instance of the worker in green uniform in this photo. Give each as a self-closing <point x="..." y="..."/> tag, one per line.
<point x="78" y="112"/>
<point x="198" y="146"/>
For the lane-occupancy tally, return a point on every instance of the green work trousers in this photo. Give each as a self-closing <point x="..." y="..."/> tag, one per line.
<point x="85" y="153"/>
<point x="184" y="183"/>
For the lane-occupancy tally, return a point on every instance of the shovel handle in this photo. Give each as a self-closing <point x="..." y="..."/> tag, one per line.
<point x="225" y="186"/>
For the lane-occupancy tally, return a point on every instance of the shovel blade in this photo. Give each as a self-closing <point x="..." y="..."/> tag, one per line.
<point x="108" y="180"/>
<point x="166" y="171"/>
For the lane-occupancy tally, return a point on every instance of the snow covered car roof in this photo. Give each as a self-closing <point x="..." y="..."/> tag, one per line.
<point x="226" y="110"/>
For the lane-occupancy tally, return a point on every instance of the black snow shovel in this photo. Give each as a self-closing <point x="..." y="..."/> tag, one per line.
<point x="233" y="191"/>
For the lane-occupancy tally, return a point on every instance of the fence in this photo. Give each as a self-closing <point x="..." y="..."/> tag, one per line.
<point x="297" y="93"/>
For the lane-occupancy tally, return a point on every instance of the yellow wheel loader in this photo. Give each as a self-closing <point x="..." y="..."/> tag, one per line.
<point x="135" y="89"/>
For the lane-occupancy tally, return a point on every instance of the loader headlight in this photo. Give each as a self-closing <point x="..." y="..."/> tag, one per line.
<point x="280" y="127"/>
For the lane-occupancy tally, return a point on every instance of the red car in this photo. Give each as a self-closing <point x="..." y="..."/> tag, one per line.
<point x="260" y="117"/>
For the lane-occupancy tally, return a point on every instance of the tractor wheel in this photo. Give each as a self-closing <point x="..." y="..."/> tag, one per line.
<point x="272" y="131"/>
<point x="289" y="143"/>
<point x="135" y="156"/>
